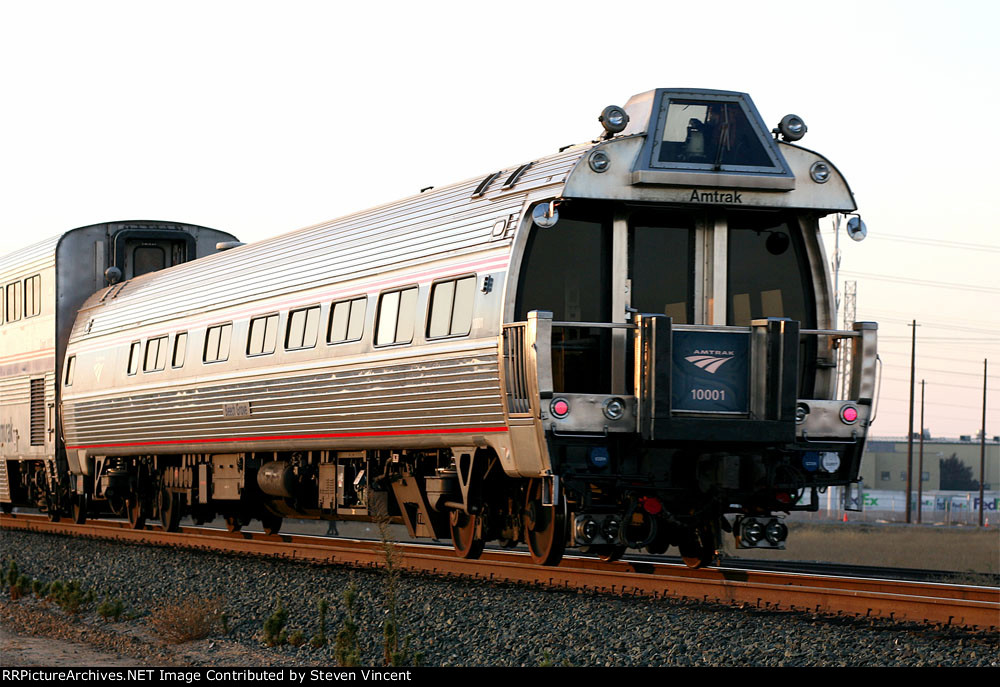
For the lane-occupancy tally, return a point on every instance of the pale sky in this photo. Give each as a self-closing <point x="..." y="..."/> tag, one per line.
<point x="262" y="117"/>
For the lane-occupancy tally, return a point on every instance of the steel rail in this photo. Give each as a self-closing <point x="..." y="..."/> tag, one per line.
<point x="976" y="608"/>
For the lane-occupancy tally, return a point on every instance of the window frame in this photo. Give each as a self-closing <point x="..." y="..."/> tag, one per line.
<point x="35" y="302"/>
<point x="17" y="302"/>
<point x="305" y="327"/>
<point x="378" y="315"/>
<point x="204" y="351"/>
<point x="430" y="306"/>
<point x="162" y="342"/>
<point x="364" y="319"/>
<point x="173" y="351"/>
<point x="277" y="325"/>
<point x="134" y="354"/>
<point x="70" y="371"/>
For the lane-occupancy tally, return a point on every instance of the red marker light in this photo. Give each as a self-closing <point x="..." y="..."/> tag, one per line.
<point x="849" y="414"/>
<point x="560" y="407"/>
<point x="651" y="505"/>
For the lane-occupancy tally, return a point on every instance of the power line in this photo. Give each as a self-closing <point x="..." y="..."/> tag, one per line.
<point x="954" y="386"/>
<point x="923" y="282"/>
<point x="934" y="242"/>
<point x="931" y="404"/>
<point x="933" y="325"/>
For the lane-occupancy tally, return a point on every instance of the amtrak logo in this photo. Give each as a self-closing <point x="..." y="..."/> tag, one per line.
<point x="710" y="361"/>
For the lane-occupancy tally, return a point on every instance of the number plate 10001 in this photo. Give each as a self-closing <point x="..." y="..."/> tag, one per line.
<point x="711" y="371"/>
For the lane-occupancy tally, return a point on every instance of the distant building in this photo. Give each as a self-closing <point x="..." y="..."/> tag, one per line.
<point x="884" y="462"/>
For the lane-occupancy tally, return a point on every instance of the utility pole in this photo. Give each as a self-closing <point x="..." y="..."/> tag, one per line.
<point x="850" y="315"/>
<point x="982" y="448"/>
<point x="920" y="470"/>
<point x="909" y="434"/>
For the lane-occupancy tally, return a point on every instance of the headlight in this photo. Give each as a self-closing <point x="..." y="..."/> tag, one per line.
<point x="820" y="172"/>
<point x="614" y="408"/>
<point x="599" y="161"/>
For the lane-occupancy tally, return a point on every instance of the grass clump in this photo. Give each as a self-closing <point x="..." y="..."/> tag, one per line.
<point x="393" y="654"/>
<point x="111" y="610"/>
<point x="188" y="620"/>
<point x="346" y="649"/>
<point x="319" y="639"/>
<point x="274" y="627"/>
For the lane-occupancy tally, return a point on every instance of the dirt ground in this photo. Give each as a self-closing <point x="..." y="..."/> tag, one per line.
<point x="957" y="549"/>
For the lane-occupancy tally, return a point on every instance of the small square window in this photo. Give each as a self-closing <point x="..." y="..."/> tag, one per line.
<point x="70" y="369"/>
<point x="133" y="357"/>
<point x="303" y="328"/>
<point x="180" y="350"/>
<point x="347" y="320"/>
<point x="33" y="296"/>
<point x="263" y="337"/>
<point x="886" y="476"/>
<point x="14" y="301"/>
<point x="397" y="311"/>
<point x="156" y="354"/>
<point x="451" y="307"/>
<point x="217" y="341"/>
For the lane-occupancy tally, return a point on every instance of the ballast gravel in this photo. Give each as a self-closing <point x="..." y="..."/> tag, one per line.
<point x="450" y="622"/>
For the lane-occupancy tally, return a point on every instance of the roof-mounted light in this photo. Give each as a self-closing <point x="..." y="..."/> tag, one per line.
<point x="791" y="128"/>
<point x="614" y="119"/>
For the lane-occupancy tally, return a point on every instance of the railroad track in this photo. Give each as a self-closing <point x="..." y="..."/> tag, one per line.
<point x="976" y="608"/>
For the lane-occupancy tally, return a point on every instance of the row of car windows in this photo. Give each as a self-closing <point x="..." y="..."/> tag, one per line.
<point x="21" y="298"/>
<point x="449" y="314"/>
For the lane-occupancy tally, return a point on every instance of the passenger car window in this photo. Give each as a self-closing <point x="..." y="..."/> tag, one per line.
<point x="397" y="311"/>
<point x="217" y="343"/>
<point x="70" y="369"/>
<point x="156" y="354"/>
<point x="180" y="349"/>
<point x="303" y="327"/>
<point x="347" y="320"/>
<point x="451" y="307"/>
<point x="263" y="337"/>
<point x="14" y="301"/>
<point x="133" y="357"/>
<point x="33" y="296"/>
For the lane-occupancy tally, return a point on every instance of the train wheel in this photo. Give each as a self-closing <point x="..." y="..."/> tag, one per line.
<point x="698" y="548"/>
<point x="270" y="522"/>
<point x="170" y="510"/>
<point x="233" y="523"/>
<point x="544" y="527"/>
<point x="80" y="505"/>
<point x="463" y="535"/>
<point x="136" y="512"/>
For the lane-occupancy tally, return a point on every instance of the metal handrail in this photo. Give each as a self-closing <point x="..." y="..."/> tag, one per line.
<point x="596" y="325"/>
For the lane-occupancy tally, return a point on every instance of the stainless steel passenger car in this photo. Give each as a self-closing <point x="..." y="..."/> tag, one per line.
<point x="629" y="343"/>
<point x="41" y="289"/>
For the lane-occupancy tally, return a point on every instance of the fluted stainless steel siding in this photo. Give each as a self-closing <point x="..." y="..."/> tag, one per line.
<point x="413" y="231"/>
<point x="326" y="407"/>
<point x="423" y="393"/>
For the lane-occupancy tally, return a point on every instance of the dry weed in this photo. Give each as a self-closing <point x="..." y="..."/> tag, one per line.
<point x="187" y="620"/>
